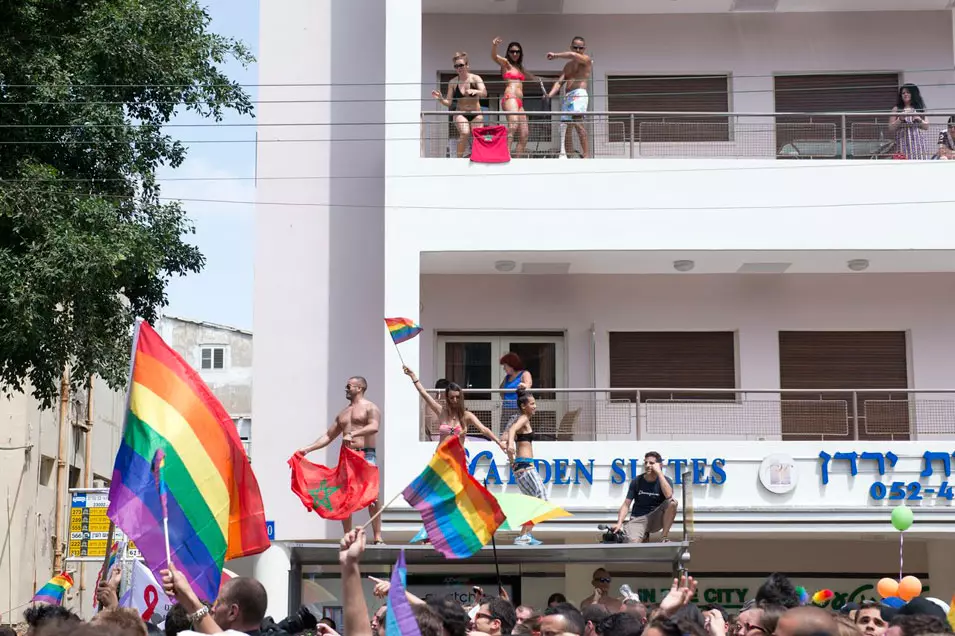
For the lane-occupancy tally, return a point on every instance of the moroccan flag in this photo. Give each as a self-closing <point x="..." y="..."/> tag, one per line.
<point x="335" y="493"/>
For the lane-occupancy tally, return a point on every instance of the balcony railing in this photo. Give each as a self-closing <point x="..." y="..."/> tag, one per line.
<point x="637" y="135"/>
<point x="718" y="414"/>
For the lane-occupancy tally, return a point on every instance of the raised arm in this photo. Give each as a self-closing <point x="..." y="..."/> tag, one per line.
<point x="527" y="381"/>
<point x="472" y="420"/>
<point x="570" y="55"/>
<point x="353" y="597"/>
<point x="432" y="403"/>
<point x="500" y="61"/>
<point x="324" y="440"/>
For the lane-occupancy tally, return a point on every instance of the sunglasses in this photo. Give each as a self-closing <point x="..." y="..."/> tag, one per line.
<point x="514" y="52"/>
<point x="603" y="579"/>
<point x="459" y="66"/>
<point x="484" y="616"/>
<point x="578" y="48"/>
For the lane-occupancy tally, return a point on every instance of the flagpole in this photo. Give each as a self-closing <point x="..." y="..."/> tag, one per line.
<point x="109" y="549"/>
<point x="381" y="510"/>
<point x="497" y="566"/>
<point x="399" y="354"/>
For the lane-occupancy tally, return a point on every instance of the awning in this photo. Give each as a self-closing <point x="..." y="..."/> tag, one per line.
<point x="675" y="553"/>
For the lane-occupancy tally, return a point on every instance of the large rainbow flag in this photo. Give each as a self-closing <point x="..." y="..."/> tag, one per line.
<point x="214" y="505"/>
<point x="459" y="514"/>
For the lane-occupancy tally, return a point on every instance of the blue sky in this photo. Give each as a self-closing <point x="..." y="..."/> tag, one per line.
<point x="222" y="292"/>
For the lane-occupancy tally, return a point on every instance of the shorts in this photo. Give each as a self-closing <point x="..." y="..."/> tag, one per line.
<point x="371" y="455"/>
<point x="528" y="479"/>
<point x="638" y="527"/>
<point x="576" y="102"/>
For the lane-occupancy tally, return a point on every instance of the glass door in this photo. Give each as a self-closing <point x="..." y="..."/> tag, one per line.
<point x="471" y="360"/>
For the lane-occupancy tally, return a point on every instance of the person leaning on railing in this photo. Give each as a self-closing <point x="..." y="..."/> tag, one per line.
<point x="908" y="122"/>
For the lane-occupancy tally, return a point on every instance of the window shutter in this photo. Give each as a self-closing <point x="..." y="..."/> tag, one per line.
<point x="675" y="359"/>
<point x="843" y="360"/>
<point x="668" y="95"/>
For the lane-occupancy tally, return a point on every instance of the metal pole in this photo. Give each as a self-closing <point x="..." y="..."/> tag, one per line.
<point x="855" y="415"/>
<point x="845" y="139"/>
<point x="62" y="474"/>
<point x="632" y="137"/>
<point x="87" y="468"/>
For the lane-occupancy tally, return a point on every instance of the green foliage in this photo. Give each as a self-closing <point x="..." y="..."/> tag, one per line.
<point x="86" y="243"/>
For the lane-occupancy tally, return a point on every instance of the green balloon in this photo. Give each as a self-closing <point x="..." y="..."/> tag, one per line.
<point x="902" y="518"/>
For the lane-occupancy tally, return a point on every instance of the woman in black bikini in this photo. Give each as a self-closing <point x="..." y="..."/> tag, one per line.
<point x="464" y="98"/>
<point x="519" y="443"/>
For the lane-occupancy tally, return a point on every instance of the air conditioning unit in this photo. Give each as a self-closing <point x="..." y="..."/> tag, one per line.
<point x="99" y="483"/>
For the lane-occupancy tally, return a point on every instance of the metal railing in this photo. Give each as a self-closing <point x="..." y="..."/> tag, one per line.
<point x="717" y="414"/>
<point x="638" y="135"/>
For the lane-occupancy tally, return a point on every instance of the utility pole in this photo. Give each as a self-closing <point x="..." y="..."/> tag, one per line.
<point x="62" y="473"/>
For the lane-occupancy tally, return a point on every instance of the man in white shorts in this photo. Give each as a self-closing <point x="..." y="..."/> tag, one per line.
<point x="575" y="77"/>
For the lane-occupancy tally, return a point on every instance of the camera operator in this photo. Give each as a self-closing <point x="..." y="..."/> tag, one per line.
<point x="654" y="508"/>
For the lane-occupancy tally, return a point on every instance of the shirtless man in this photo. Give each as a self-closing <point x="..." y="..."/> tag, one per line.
<point x="576" y="75"/>
<point x="358" y="425"/>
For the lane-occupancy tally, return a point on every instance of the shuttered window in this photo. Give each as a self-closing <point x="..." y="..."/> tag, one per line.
<point x="841" y="92"/>
<point x="668" y="95"/>
<point x="843" y="360"/>
<point x="673" y="359"/>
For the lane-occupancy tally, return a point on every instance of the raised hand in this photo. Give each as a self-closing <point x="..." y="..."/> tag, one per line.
<point x="351" y="547"/>
<point x="681" y="592"/>
<point x="551" y="56"/>
<point x="381" y="587"/>
<point x="436" y="95"/>
<point x="498" y="41"/>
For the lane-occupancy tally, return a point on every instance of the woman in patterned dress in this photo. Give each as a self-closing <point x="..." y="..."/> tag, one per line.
<point x="908" y="124"/>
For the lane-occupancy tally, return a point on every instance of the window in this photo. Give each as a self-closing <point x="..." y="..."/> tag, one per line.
<point x="833" y="93"/>
<point x="668" y="95"/>
<point x="843" y="360"/>
<point x="47" y="464"/>
<point x="213" y="358"/>
<point x="673" y="360"/>
<point x="471" y="360"/>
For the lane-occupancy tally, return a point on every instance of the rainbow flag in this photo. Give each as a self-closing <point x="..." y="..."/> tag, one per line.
<point x="402" y="329"/>
<point x="54" y="590"/>
<point x="214" y="505"/>
<point x="459" y="513"/>
<point x="400" y="618"/>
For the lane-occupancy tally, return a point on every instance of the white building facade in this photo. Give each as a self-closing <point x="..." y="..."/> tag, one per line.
<point x="757" y="289"/>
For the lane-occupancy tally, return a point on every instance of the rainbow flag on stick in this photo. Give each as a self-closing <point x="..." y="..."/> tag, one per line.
<point x="459" y="514"/>
<point x="108" y="566"/>
<point x="214" y="506"/>
<point x="54" y="590"/>
<point x="402" y="329"/>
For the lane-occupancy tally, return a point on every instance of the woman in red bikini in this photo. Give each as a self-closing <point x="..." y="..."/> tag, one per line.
<point x="512" y="68"/>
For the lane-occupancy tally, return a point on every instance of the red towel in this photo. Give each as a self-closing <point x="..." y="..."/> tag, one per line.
<point x="489" y="145"/>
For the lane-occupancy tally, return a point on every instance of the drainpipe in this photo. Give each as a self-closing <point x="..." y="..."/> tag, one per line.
<point x="62" y="474"/>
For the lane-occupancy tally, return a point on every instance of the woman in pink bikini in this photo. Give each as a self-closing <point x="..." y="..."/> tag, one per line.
<point x="453" y="418"/>
<point x="512" y="69"/>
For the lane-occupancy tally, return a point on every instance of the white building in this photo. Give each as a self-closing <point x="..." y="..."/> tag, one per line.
<point x="807" y="302"/>
<point x="223" y="357"/>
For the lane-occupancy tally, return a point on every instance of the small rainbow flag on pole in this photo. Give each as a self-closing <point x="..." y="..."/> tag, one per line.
<point x="402" y="329"/>
<point x="54" y="590"/>
<point x="459" y="513"/>
<point x="108" y="566"/>
<point x="208" y="491"/>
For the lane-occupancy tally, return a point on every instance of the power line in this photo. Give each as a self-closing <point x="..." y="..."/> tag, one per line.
<point x="688" y="94"/>
<point x="724" y="208"/>
<point x="871" y="165"/>
<point x="620" y="77"/>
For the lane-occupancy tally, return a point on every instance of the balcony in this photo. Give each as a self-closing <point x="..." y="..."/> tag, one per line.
<point x="700" y="135"/>
<point x="628" y="414"/>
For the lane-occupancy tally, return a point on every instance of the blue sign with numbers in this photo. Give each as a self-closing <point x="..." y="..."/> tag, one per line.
<point x="270" y="530"/>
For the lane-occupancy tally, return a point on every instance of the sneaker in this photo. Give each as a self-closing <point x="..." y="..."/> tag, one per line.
<point x="533" y="541"/>
<point x="524" y="539"/>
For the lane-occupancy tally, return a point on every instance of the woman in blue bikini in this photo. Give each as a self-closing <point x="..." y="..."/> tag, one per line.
<point x="515" y="377"/>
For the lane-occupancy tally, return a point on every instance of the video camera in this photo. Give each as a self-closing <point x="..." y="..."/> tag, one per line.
<point x="611" y="536"/>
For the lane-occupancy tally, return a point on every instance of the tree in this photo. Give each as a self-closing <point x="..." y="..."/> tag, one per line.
<point x="87" y="243"/>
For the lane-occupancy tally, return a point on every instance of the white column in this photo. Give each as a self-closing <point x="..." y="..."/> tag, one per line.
<point x="271" y="569"/>
<point x="941" y="569"/>
<point x="319" y="257"/>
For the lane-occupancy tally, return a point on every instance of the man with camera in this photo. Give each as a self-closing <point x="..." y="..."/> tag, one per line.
<point x="653" y="505"/>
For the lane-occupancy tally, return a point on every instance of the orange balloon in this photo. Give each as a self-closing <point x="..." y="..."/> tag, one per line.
<point x="909" y="588"/>
<point x="887" y="588"/>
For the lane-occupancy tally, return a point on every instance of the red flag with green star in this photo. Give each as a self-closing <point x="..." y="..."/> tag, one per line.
<point x="335" y="493"/>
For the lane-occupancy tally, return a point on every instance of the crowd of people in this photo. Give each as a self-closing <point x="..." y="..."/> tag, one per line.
<point x="777" y="609"/>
